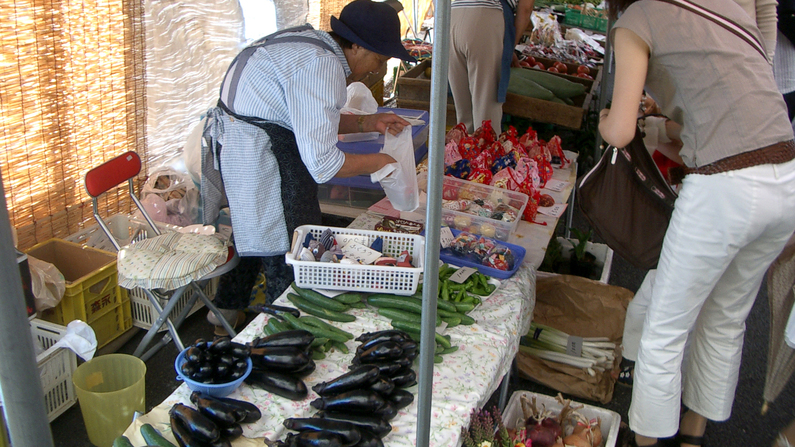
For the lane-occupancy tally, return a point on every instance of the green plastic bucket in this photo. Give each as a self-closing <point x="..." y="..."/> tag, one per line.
<point x="110" y="389"/>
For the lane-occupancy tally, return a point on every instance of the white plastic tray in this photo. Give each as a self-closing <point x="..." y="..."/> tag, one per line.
<point x="610" y="420"/>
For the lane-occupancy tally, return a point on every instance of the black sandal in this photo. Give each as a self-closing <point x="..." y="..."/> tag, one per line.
<point x="625" y="376"/>
<point x="659" y="443"/>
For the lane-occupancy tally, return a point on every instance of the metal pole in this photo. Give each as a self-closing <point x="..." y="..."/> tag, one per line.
<point x="23" y="398"/>
<point x="433" y="217"/>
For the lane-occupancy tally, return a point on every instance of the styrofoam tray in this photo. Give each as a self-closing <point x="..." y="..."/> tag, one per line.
<point x="610" y="420"/>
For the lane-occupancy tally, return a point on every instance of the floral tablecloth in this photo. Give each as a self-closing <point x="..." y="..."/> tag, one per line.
<point x="464" y="381"/>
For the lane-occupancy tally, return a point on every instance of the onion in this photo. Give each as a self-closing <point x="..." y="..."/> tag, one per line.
<point x="576" y="440"/>
<point x="596" y="432"/>
<point x="544" y="433"/>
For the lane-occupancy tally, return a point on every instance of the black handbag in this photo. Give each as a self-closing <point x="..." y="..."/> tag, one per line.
<point x="628" y="203"/>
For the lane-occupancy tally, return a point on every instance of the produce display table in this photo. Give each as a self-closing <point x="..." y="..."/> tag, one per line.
<point x="464" y="381"/>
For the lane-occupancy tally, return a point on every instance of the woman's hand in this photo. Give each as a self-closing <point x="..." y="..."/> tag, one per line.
<point x="381" y="122"/>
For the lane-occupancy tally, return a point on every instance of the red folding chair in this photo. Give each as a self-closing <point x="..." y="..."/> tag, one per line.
<point x="107" y="176"/>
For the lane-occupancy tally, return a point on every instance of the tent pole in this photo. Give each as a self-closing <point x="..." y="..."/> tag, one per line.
<point x="23" y="398"/>
<point x="433" y="217"/>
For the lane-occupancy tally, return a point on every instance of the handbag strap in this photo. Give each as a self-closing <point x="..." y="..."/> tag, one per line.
<point x="723" y="21"/>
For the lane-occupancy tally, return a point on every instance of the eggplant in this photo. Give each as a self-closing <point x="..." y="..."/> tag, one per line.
<point x="276" y="311"/>
<point x="386" y="369"/>
<point x="381" y="352"/>
<point x="298" y="338"/>
<point x="202" y="428"/>
<point x="239" y="350"/>
<point x="364" y="338"/>
<point x="368" y="423"/>
<point x="220" y="442"/>
<point x="284" y="358"/>
<point x="221" y="345"/>
<point x="369" y="439"/>
<point x="193" y="354"/>
<point x="383" y="386"/>
<point x="183" y="436"/>
<point x="387" y="412"/>
<point x="401" y="398"/>
<point x="362" y="401"/>
<point x="221" y="413"/>
<point x="231" y="432"/>
<point x="281" y="384"/>
<point x="313" y="439"/>
<point x="360" y="377"/>
<point x="306" y="370"/>
<point x="347" y="432"/>
<point x="396" y="337"/>
<point x="252" y="411"/>
<point x="405" y="378"/>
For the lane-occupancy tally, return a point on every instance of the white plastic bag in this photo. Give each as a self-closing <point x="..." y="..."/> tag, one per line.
<point x="46" y="282"/>
<point x="360" y="100"/>
<point x="171" y="197"/>
<point x="399" y="180"/>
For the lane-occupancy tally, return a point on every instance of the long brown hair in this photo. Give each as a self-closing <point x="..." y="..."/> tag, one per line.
<point x="614" y="7"/>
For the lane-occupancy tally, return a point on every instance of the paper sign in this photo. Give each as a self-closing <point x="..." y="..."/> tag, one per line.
<point x="556" y="185"/>
<point x="446" y="237"/>
<point x="555" y="210"/>
<point x="462" y="274"/>
<point x="574" y="346"/>
<point x="329" y="293"/>
<point x="344" y="239"/>
<point x="359" y="252"/>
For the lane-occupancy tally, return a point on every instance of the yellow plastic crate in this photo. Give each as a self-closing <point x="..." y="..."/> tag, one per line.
<point x="92" y="291"/>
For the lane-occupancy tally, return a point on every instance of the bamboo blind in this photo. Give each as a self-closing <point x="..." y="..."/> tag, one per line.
<point x="72" y="98"/>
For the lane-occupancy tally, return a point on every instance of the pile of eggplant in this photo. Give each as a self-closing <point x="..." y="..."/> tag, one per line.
<point x="280" y="361"/>
<point x="215" y="421"/>
<point x="221" y="361"/>
<point x="356" y="407"/>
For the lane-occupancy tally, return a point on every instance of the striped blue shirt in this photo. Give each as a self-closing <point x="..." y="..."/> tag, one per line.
<point x="491" y="4"/>
<point x="301" y="87"/>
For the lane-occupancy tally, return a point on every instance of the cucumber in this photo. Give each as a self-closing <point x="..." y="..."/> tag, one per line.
<point x="269" y="329"/>
<point x="153" y="437"/>
<point x="522" y="86"/>
<point x="317" y="322"/>
<point x="404" y="304"/>
<point x="412" y="327"/>
<point x="466" y="320"/>
<point x="357" y="305"/>
<point x="397" y="314"/>
<point x="349" y="298"/>
<point x="122" y="441"/>
<point x="438" y="359"/>
<point x="317" y="332"/>
<point x="318" y="342"/>
<point x="319" y="299"/>
<point x="452" y="321"/>
<point x="318" y="311"/>
<point x="449" y="350"/>
<point x="558" y="85"/>
<point x="339" y="346"/>
<point x="318" y="354"/>
<point x="464" y="307"/>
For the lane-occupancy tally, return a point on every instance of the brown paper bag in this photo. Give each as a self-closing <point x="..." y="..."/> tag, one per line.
<point x="585" y="308"/>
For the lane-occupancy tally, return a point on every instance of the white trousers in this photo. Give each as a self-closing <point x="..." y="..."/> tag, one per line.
<point x="725" y="231"/>
<point x="476" y="36"/>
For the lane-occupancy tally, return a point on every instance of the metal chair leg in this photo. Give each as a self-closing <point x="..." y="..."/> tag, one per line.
<point x="207" y="302"/>
<point x="163" y="313"/>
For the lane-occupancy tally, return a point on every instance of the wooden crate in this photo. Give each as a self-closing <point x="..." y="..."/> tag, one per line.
<point x="414" y="92"/>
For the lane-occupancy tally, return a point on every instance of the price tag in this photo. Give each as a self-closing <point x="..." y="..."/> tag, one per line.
<point x="462" y="274"/>
<point x="344" y="239"/>
<point x="574" y="346"/>
<point x="446" y="237"/>
<point x="555" y="210"/>
<point x="359" y="252"/>
<point x="556" y="185"/>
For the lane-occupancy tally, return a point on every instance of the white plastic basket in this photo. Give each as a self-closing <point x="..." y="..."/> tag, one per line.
<point x="364" y="278"/>
<point x="56" y="367"/>
<point x="144" y="315"/>
<point x="609" y="420"/>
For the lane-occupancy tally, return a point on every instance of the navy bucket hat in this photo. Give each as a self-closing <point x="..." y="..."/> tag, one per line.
<point x="372" y="25"/>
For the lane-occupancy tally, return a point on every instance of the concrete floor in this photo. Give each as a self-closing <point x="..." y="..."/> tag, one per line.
<point x="746" y="427"/>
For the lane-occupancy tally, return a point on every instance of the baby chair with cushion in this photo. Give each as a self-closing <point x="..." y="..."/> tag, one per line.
<point x="164" y="262"/>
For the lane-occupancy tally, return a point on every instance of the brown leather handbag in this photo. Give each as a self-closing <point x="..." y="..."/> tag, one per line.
<point x="628" y="202"/>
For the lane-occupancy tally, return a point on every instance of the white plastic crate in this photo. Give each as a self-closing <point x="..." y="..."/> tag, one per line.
<point x="56" y="367"/>
<point x="144" y="315"/>
<point x="364" y="278"/>
<point x="609" y="420"/>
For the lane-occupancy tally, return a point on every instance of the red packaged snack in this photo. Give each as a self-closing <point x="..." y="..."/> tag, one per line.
<point x="456" y="134"/>
<point x="529" y="138"/>
<point x="481" y="176"/>
<point x="468" y="148"/>
<point x="544" y="169"/>
<point x="484" y="161"/>
<point x="556" y="152"/>
<point x="485" y="134"/>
